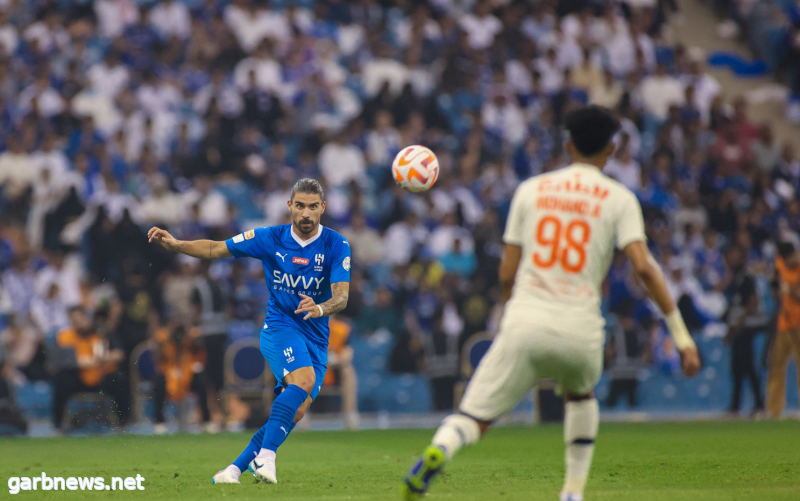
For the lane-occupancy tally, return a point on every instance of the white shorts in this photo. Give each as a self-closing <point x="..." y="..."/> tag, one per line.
<point x="521" y="356"/>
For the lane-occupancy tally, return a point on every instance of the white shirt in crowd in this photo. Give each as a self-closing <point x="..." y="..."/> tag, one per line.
<point x="380" y="70"/>
<point x="8" y="38"/>
<point x="400" y="241"/>
<point x="113" y="16"/>
<point x="171" y="18"/>
<point x="49" y="101"/>
<point x="108" y="80"/>
<point x="480" y="30"/>
<point x="340" y="163"/>
<point x="268" y="74"/>
<point x="213" y="206"/>
<point x="628" y="173"/>
<point x="661" y="92"/>
<point x="507" y="121"/>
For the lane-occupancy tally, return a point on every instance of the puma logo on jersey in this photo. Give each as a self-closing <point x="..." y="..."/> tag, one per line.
<point x="282" y="256"/>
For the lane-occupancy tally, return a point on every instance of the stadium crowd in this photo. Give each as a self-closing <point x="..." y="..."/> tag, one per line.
<point x="199" y="115"/>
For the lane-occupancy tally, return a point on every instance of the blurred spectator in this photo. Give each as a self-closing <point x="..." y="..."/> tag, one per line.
<point x="98" y="360"/>
<point x="458" y="261"/>
<point x="624" y="355"/>
<point x="787" y="338"/>
<point x="382" y="315"/>
<point x="365" y="242"/>
<point x="745" y="320"/>
<point x="340" y="357"/>
<point x="211" y="304"/>
<point x="766" y="151"/>
<point x="179" y="358"/>
<point x="661" y="91"/>
<point x="23" y="351"/>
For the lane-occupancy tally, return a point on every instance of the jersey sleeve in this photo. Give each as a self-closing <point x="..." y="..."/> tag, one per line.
<point x="251" y="243"/>
<point x="516" y="220"/>
<point x="340" y="265"/>
<point x="630" y="222"/>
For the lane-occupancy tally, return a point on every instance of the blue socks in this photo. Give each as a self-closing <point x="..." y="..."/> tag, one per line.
<point x="249" y="453"/>
<point x="281" y="418"/>
<point x="284" y="408"/>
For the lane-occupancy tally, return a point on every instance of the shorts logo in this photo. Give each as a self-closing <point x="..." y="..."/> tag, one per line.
<point x="299" y="260"/>
<point x="289" y="356"/>
<point x="346" y="264"/>
<point x="249" y="234"/>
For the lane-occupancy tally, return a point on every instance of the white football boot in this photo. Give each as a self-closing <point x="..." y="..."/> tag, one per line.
<point x="264" y="469"/>
<point x="225" y="477"/>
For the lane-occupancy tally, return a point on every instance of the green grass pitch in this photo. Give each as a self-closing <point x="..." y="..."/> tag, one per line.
<point x="642" y="461"/>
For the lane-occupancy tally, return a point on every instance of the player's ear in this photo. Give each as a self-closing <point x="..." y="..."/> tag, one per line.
<point x="323" y="208"/>
<point x="609" y="149"/>
<point x="289" y="205"/>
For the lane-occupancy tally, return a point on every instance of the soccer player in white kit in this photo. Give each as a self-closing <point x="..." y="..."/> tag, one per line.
<point x="560" y="237"/>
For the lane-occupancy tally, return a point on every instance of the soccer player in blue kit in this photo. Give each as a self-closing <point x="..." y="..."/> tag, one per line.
<point x="308" y="267"/>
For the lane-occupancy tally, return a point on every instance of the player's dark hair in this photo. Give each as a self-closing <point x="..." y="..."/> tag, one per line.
<point x="591" y="128"/>
<point x="308" y="186"/>
<point x="785" y="249"/>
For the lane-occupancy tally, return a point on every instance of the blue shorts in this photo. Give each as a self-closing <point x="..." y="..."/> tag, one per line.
<point x="286" y="351"/>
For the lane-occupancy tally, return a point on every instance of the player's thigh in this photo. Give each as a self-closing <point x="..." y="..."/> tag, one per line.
<point x="503" y="376"/>
<point x="286" y="351"/>
<point x="576" y="363"/>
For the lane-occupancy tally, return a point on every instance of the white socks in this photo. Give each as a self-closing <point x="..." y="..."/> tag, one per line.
<point x="580" y="429"/>
<point x="234" y="470"/>
<point x="455" y="432"/>
<point x="266" y="454"/>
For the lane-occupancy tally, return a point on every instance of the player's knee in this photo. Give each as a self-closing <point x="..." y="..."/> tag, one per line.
<point x="577" y="398"/>
<point x="305" y="378"/>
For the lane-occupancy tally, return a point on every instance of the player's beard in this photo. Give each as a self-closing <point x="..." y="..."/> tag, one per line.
<point x="306" y="226"/>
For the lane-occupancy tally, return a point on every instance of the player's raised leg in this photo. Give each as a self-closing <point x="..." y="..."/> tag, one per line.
<point x="501" y="379"/>
<point x="287" y="409"/>
<point x="581" y="420"/>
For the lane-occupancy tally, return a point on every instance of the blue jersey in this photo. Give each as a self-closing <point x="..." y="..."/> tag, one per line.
<point x="293" y="266"/>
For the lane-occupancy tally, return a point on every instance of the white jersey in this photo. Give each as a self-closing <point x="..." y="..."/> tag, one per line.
<point x="567" y="223"/>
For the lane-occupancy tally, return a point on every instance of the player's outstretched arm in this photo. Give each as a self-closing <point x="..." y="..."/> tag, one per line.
<point x="202" y="249"/>
<point x="649" y="272"/>
<point x="340" y="293"/>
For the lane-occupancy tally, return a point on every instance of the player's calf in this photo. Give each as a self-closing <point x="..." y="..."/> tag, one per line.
<point x="581" y="421"/>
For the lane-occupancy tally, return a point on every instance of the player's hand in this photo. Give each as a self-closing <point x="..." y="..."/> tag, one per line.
<point x="163" y="237"/>
<point x="690" y="361"/>
<point x="308" y="306"/>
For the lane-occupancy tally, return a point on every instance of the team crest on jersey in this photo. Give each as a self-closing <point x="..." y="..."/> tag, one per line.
<point x="346" y="264"/>
<point x="249" y="234"/>
<point x="319" y="259"/>
<point x="299" y="260"/>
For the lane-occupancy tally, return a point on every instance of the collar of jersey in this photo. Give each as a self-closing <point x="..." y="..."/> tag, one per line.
<point x="585" y="166"/>
<point x="305" y="243"/>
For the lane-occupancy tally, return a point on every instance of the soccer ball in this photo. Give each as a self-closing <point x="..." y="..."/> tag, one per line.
<point x="415" y="168"/>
